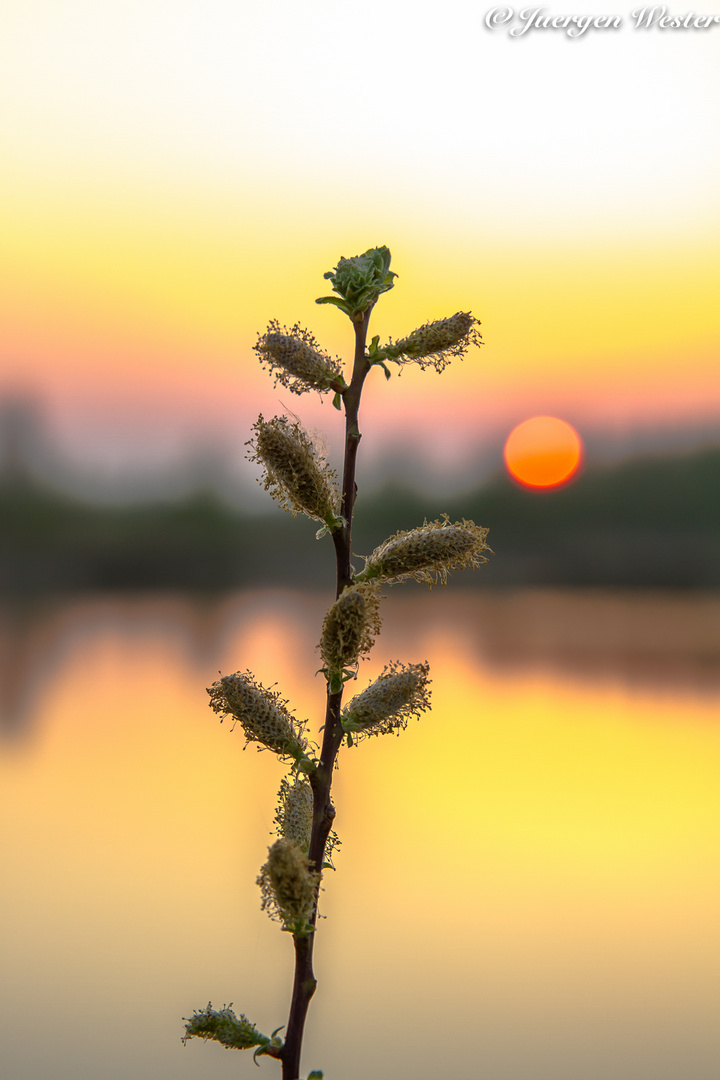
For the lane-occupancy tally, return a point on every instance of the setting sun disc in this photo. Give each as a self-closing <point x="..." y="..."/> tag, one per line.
<point x="543" y="452"/>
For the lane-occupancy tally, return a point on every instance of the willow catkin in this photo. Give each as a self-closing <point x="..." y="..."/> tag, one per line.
<point x="260" y="712"/>
<point x="288" y="887"/>
<point x="400" y="692"/>
<point x="294" y="815"/>
<point x="436" y="343"/>
<point x="350" y="626"/>
<point x="222" y="1025"/>
<point x="296" y="474"/>
<point x="296" y="360"/>
<point x="428" y="552"/>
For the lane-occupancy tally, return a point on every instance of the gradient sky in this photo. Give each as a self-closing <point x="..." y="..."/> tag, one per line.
<point x="175" y="174"/>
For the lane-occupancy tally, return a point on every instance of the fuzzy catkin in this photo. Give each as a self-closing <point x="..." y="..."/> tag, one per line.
<point x="350" y="626"/>
<point x="428" y="552"/>
<point x="296" y="474"/>
<point x="261" y="713"/>
<point x="288" y="887"/>
<point x="294" y="814"/>
<point x="296" y="360"/>
<point x="222" y="1025"/>
<point x="436" y="343"/>
<point x="400" y="692"/>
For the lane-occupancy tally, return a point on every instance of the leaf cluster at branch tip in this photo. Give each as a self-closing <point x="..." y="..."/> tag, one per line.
<point x="360" y="281"/>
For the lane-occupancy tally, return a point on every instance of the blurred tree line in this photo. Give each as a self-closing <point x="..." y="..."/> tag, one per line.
<point x="651" y="522"/>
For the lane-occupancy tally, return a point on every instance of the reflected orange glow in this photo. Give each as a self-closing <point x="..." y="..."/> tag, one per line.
<point x="543" y="452"/>
<point x="576" y="813"/>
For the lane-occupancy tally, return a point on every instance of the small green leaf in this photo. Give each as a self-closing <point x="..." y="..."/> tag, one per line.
<point x="349" y="725"/>
<point x="334" y="300"/>
<point x="332" y="524"/>
<point x="335" y="682"/>
<point x="337" y="402"/>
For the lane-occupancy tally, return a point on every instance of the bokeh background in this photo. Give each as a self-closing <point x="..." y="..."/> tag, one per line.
<point x="529" y="881"/>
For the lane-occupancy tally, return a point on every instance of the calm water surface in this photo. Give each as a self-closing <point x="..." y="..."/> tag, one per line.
<point x="529" y="882"/>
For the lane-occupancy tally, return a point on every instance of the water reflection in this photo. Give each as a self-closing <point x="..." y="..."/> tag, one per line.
<point x="658" y="640"/>
<point x="533" y="868"/>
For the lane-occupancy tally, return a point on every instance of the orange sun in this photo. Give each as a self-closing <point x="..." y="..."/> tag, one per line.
<point x="543" y="452"/>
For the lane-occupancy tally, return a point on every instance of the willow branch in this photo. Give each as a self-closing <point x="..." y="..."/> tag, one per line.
<point x="304" y="982"/>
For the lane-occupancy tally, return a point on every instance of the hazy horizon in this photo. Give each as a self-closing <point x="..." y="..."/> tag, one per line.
<point x="128" y="462"/>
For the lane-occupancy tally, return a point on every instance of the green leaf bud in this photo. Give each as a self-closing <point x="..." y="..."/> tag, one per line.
<point x="349" y="626"/>
<point x="222" y="1025"/>
<point x="296" y="360"/>
<point x="261" y="713"/>
<point x="399" y="693"/>
<point x="289" y="887"/>
<point x="360" y="281"/>
<point x="296" y="473"/>
<point x="435" y="343"/>
<point x="428" y="552"/>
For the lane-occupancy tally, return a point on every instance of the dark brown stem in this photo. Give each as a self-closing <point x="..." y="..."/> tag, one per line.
<point x="321" y="779"/>
<point x="351" y="400"/>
